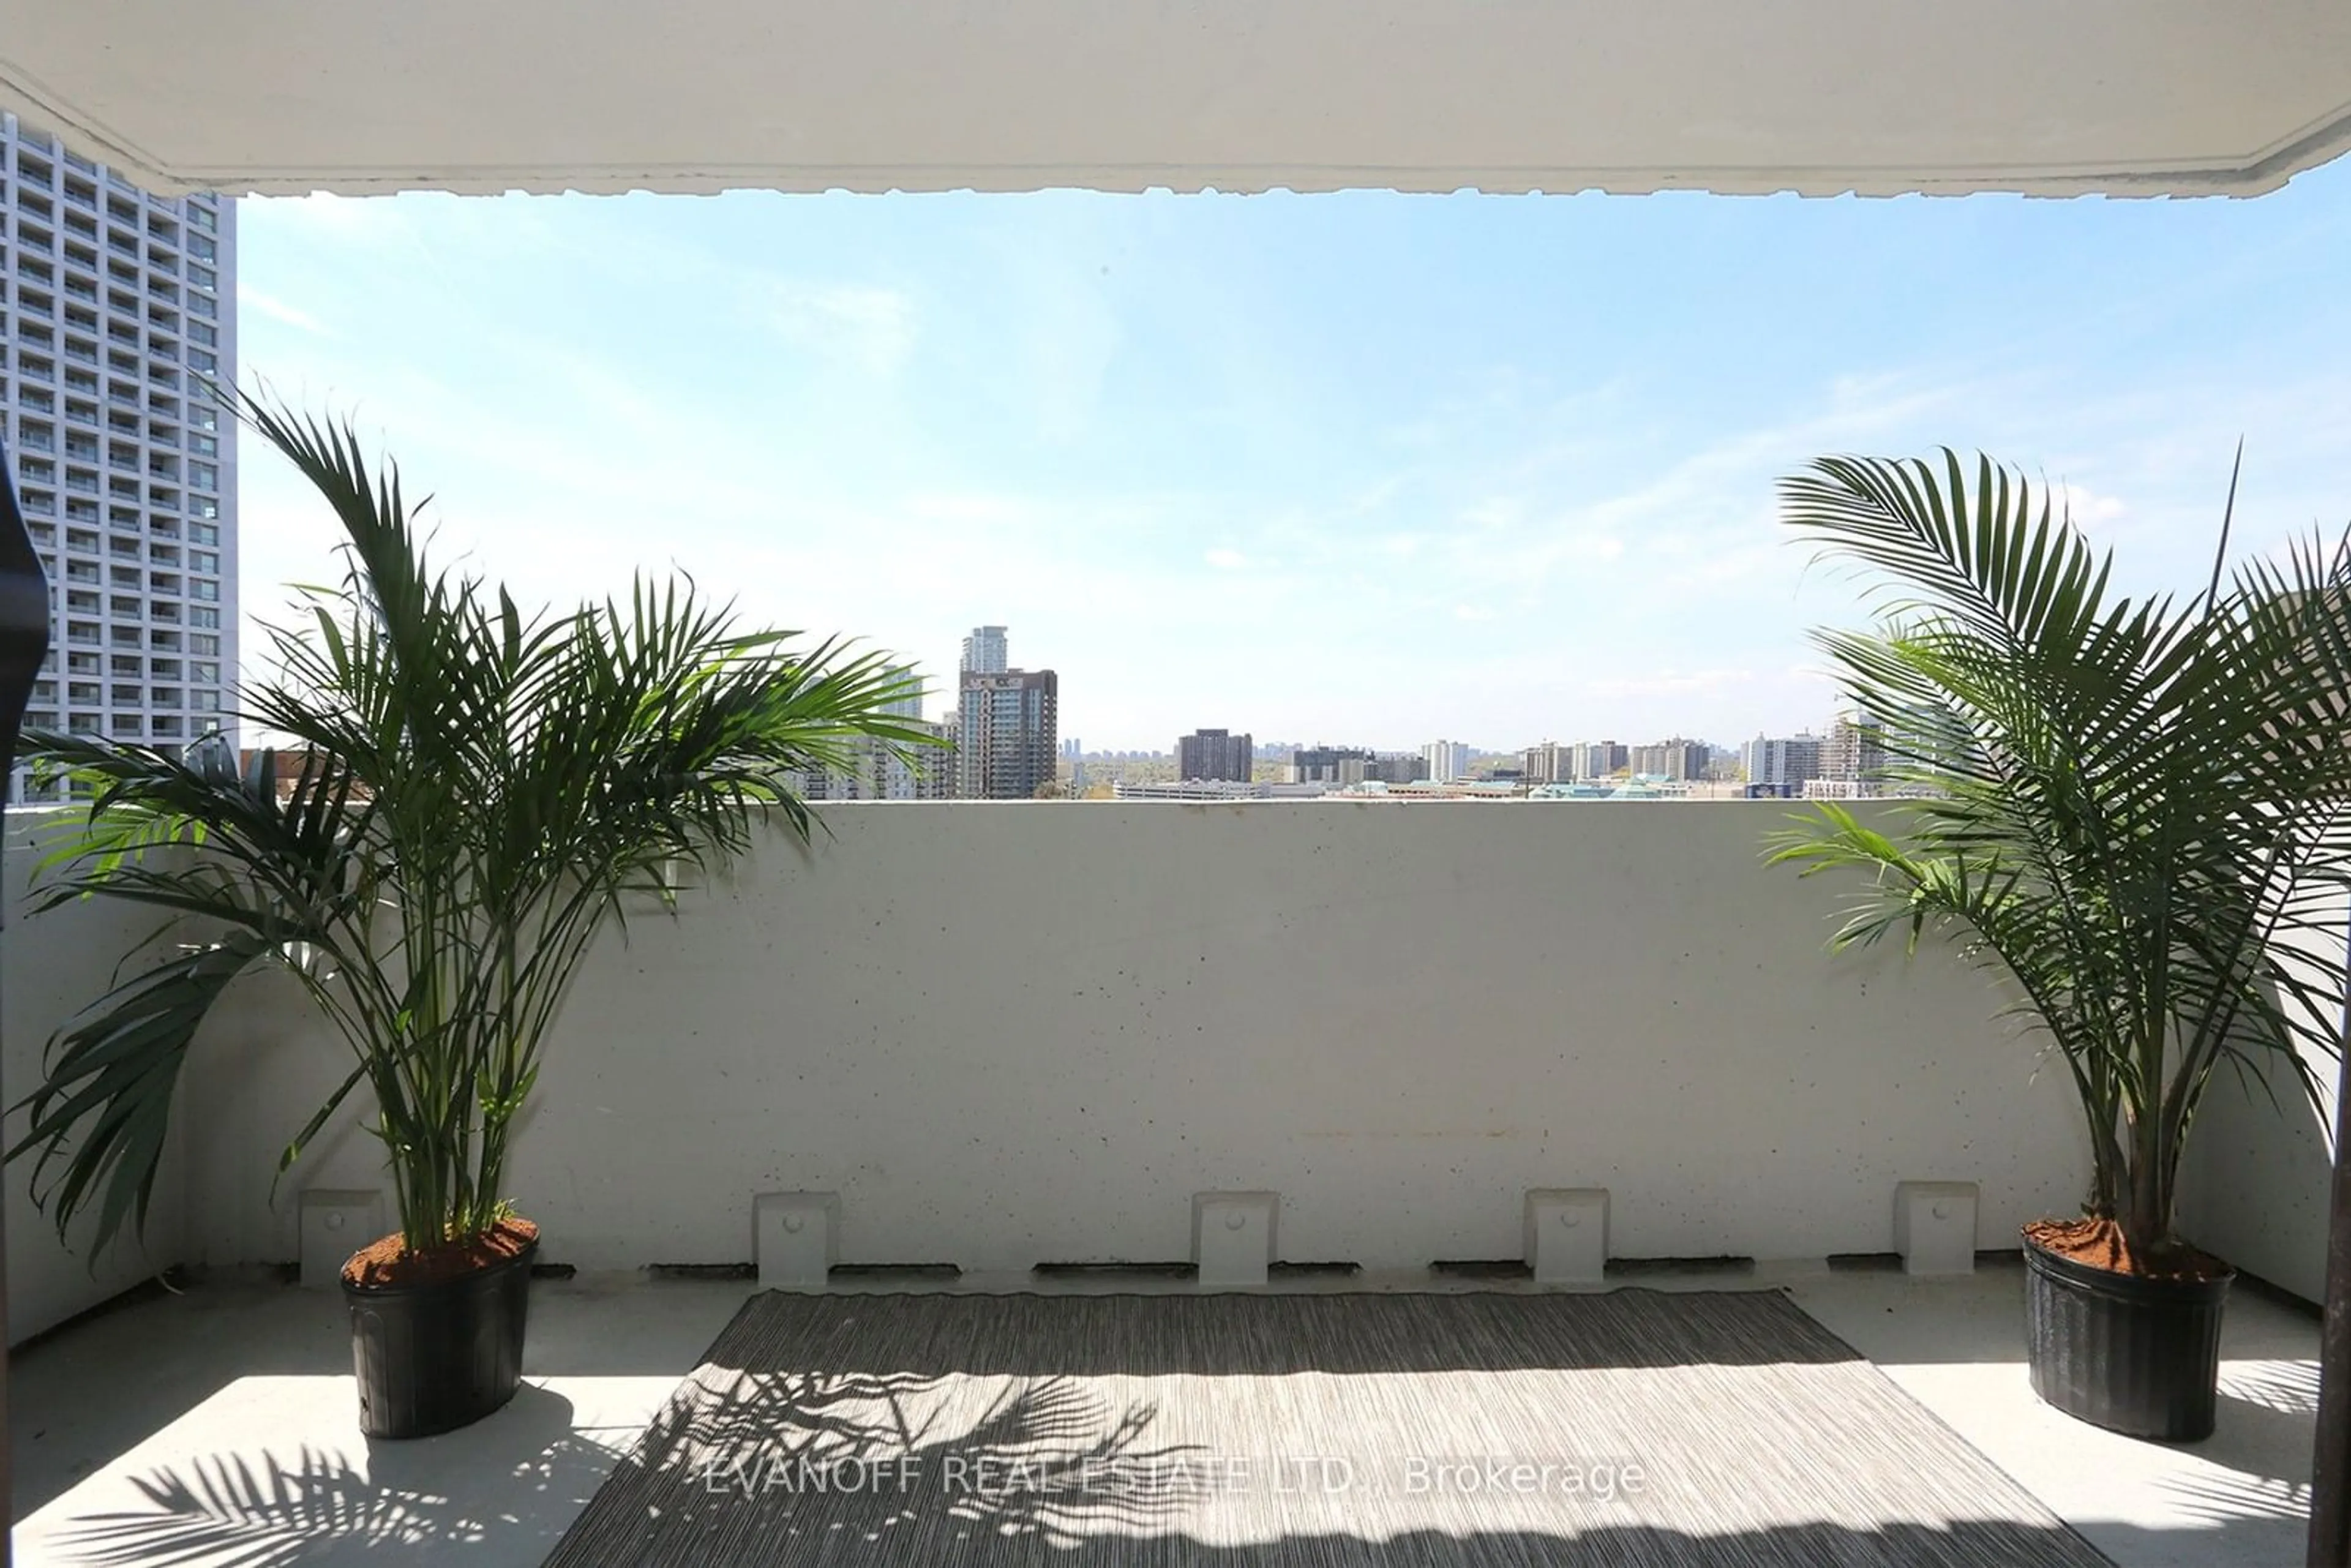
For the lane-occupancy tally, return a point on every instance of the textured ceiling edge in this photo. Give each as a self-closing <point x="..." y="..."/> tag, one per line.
<point x="33" y="104"/>
<point x="2263" y="172"/>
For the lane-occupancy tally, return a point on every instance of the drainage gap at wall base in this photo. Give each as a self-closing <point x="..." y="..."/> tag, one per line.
<point x="895" y="1272"/>
<point x="1116" y="1270"/>
<point x="703" y="1270"/>
<point x="1725" y="1264"/>
<point x="1483" y="1268"/>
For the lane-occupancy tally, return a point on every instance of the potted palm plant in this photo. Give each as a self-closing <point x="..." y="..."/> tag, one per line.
<point x="467" y="798"/>
<point x="2134" y="806"/>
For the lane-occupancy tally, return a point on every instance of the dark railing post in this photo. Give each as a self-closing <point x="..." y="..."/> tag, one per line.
<point x="24" y="638"/>
<point x="2330" y="1478"/>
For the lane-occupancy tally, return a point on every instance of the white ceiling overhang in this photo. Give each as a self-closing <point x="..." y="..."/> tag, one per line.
<point x="2128" y="96"/>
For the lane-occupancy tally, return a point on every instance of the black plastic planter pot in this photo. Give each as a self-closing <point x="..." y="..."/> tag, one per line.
<point x="2137" y="1356"/>
<point x="434" y="1357"/>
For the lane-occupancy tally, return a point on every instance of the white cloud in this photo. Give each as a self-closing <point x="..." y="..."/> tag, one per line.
<point x="870" y="328"/>
<point x="2087" y="507"/>
<point x="1227" y="559"/>
<point x="251" y="298"/>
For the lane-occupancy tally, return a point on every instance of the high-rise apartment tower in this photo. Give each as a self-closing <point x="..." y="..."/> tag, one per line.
<point x="1007" y="722"/>
<point x="985" y="652"/>
<point x="118" y="315"/>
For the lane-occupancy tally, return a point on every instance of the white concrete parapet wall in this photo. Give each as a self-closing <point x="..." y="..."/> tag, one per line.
<point x="1012" y="1032"/>
<point x="50" y="968"/>
<point x="2260" y="1168"/>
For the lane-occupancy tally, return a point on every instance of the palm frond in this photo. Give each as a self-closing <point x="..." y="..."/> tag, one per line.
<point x="2133" y="803"/>
<point x="476" y="789"/>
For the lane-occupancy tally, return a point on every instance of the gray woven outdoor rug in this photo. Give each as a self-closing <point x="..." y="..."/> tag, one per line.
<point x="1353" y="1431"/>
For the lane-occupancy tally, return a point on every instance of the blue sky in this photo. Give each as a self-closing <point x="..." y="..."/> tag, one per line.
<point x="1360" y="468"/>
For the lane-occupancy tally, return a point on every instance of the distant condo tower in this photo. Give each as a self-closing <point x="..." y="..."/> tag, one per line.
<point x="1447" y="760"/>
<point x="1597" y="758"/>
<point x="1785" y="763"/>
<point x="1319" y="764"/>
<point x="1007" y="722"/>
<point x="1679" y="758"/>
<point x="985" y="652"/>
<point x="911" y="704"/>
<point x="1215" y="754"/>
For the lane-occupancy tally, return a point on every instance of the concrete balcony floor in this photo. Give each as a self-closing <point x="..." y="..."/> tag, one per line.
<point x="257" y="1375"/>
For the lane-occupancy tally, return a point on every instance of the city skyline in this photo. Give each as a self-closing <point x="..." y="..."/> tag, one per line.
<point x="986" y="649"/>
<point x="1359" y="466"/>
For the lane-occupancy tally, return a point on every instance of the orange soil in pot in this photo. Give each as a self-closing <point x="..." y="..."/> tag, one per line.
<point x="384" y="1263"/>
<point x="2100" y="1244"/>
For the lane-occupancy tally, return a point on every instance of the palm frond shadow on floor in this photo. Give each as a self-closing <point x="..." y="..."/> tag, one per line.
<point x="267" y="1511"/>
<point x="763" y="1459"/>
